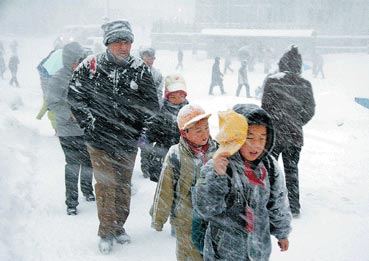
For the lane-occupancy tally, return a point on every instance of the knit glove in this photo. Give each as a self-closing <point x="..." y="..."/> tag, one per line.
<point x="143" y="141"/>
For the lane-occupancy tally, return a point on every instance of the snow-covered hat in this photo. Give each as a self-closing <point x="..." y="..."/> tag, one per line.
<point x="175" y="83"/>
<point x="232" y="131"/>
<point x="189" y="115"/>
<point x="117" y="31"/>
<point x="291" y="61"/>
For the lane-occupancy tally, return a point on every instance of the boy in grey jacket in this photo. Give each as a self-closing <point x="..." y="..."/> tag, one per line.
<point x="244" y="195"/>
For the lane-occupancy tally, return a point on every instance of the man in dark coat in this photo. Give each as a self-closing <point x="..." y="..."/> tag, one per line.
<point x="289" y="99"/>
<point x="111" y="94"/>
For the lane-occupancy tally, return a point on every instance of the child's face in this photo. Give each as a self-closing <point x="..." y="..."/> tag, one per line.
<point x="255" y="142"/>
<point x="176" y="98"/>
<point x="199" y="134"/>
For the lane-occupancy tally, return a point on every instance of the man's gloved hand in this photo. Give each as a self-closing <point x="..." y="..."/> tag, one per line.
<point x="143" y="141"/>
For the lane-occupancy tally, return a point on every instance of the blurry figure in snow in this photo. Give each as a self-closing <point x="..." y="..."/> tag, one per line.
<point x="13" y="68"/>
<point x="112" y="94"/>
<point x="318" y="63"/>
<point x="71" y="136"/>
<point x="162" y="130"/>
<point x="227" y="63"/>
<point x="242" y="192"/>
<point x="243" y="79"/>
<point x="179" y="59"/>
<point x="216" y="77"/>
<point x="179" y="174"/>
<point x="46" y="69"/>
<point x="2" y="61"/>
<point x="148" y="56"/>
<point x="268" y="56"/>
<point x="289" y="100"/>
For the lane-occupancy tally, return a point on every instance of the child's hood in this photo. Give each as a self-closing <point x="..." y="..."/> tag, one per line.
<point x="258" y="116"/>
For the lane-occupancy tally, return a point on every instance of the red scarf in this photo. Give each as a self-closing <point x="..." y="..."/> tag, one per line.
<point x="252" y="176"/>
<point x="254" y="180"/>
<point x="198" y="151"/>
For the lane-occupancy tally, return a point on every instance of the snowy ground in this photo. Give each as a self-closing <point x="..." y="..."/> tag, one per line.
<point x="334" y="169"/>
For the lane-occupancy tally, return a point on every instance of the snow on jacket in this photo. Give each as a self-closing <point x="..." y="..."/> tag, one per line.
<point x="57" y="94"/>
<point x="289" y="100"/>
<point x="158" y="82"/>
<point x="111" y="99"/>
<point x="163" y="128"/>
<point x="223" y="200"/>
<point x="165" y="192"/>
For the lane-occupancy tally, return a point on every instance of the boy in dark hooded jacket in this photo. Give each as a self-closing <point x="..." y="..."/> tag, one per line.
<point x="244" y="195"/>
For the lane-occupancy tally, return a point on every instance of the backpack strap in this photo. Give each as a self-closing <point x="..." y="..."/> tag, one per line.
<point x="269" y="165"/>
<point x="239" y="198"/>
<point x="176" y="165"/>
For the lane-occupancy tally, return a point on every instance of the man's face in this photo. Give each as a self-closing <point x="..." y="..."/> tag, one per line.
<point x="121" y="50"/>
<point x="149" y="60"/>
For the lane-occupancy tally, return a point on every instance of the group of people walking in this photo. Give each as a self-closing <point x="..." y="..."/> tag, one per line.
<point x="217" y="77"/>
<point x="110" y="104"/>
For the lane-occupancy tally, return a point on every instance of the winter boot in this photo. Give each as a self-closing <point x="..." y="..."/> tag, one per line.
<point x="106" y="245"/>
<point x="89" y="197"/>
<point x="72" y="211"/>
<point x="123" y="238"/>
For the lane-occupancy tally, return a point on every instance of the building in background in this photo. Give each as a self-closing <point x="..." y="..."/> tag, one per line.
<point x="326" y="17"/>
<point x="328" y="25"/>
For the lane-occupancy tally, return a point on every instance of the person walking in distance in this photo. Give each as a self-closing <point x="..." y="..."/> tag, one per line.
<point x="111" y="94"/>
<point x="179" y="59"/>
<point x="243" y="79"/>
<point x="216" y="77"/>
<point x="13" y="68"/>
